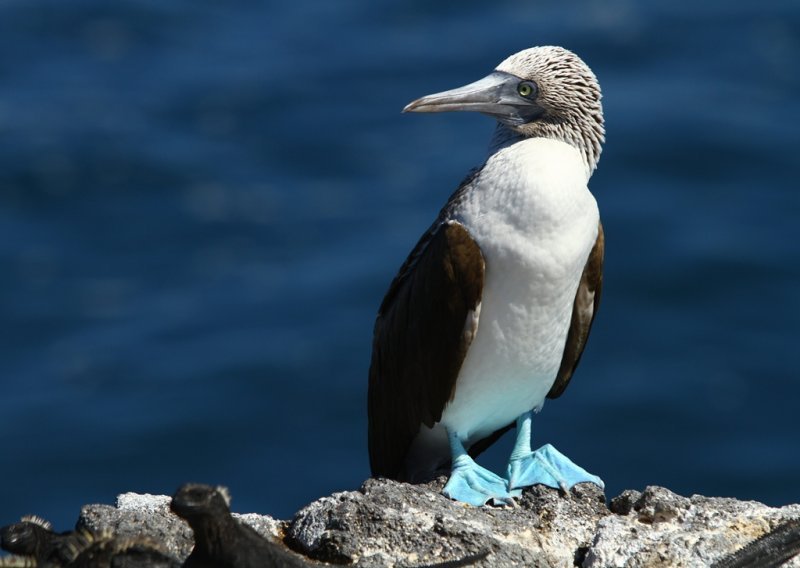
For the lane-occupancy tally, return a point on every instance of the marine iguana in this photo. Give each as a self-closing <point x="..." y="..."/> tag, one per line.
<point x="220" y="540"/>
<point x="38" y="546"/>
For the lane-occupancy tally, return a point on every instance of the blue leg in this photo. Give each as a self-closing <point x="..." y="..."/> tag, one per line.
<point x="546" y="465"/>
<point x="471" y="483"/>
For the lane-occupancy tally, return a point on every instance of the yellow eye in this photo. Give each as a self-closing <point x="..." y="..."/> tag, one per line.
<point x="525" y="89"/>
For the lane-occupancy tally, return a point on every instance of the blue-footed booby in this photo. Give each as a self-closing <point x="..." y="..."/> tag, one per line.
<point x="490" y="312"/>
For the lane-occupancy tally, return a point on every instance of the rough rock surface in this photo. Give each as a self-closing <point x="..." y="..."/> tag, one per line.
<point x="659" y="528"/>
<point x="386" y="523"/>
<point x="137" y="515"/>
<point x="140" y="515"/>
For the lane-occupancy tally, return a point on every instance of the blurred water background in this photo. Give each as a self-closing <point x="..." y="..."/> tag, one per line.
<point x="202" y="204"/>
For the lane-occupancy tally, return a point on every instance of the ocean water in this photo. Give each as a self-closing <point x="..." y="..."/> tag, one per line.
<point x="202" y="204"/>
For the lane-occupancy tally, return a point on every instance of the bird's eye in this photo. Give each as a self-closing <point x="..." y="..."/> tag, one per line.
<point x="526" y="89"/>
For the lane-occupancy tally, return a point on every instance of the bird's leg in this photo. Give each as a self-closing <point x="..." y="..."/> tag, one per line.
<point x="471" y="483"/>
<point x="546" y="465"/>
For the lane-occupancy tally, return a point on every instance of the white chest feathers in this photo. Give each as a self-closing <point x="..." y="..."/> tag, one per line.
<point x="532" y="215"/>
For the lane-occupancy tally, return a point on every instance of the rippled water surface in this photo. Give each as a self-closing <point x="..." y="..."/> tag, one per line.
<point x="202" y="203"/>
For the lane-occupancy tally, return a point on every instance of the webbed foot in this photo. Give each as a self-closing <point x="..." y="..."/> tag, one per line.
<point x="546" y="465"/>
<point x="476" y="485"/>
<point x="471" y="483"/>
<point x="549" y="467"/>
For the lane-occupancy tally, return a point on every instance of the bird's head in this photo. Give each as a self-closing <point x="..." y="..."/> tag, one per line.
<point x="544" y="92"/>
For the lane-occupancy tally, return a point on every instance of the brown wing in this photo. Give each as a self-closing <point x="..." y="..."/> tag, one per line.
<point x="420" y="341"/>
<point x="587" y="300"/>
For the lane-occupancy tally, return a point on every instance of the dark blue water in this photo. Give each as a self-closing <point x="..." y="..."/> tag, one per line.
<point x="202" y="204"/>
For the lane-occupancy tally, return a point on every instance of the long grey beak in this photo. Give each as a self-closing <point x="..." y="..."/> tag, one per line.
<point x="495" y="95"/>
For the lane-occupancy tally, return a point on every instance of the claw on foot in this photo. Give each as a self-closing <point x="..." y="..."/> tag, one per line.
<point x="470" y="483"/>
<point x="547" y="466"/>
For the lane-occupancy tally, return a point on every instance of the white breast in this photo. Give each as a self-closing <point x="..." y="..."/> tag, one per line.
<point x="535" y="221"/>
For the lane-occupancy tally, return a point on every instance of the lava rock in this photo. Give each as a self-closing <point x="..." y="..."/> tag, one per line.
<point x="387" y="523"/>
<point x="665" y="529"/>
<point x="138" y="515"/>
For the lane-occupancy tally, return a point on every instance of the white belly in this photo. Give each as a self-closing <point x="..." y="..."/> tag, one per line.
<point x="536" y="222"/>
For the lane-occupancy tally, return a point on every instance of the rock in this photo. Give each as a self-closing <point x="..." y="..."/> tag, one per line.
<point x="624" y="502"/>
<point x="664" y="529"/>
<point x="140" y="515"/>
<point x="387" y="523"/>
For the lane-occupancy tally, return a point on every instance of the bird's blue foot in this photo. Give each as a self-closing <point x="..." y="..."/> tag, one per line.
<point x="476" y="485"/>
<point x="549" y="467"/>
<point x="546" y="465"/>
<point x="470" y="483"/>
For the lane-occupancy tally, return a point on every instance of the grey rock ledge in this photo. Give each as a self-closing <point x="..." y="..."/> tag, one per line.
<point x="386" y="523"/>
